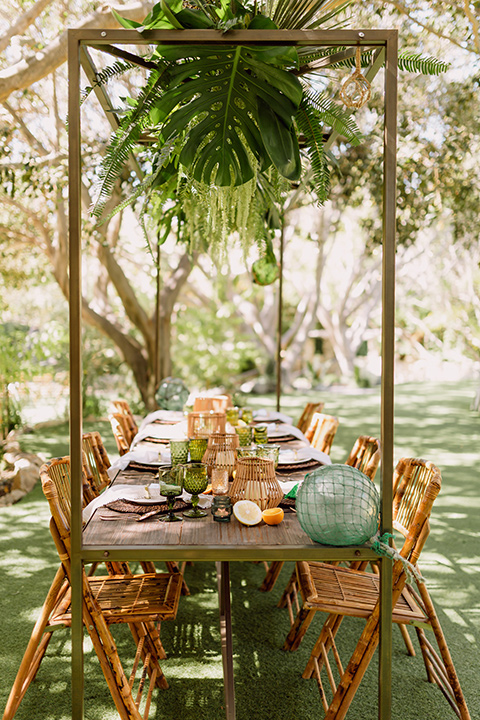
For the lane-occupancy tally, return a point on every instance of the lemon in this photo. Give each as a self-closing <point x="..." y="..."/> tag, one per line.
<point x="247" y="512"/>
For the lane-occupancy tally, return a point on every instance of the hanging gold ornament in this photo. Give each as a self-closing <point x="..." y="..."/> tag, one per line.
<point x="356" y="89"/>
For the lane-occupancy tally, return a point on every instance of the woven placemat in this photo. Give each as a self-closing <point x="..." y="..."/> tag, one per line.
<point x="287" y="503"/>
<point x="141" y="508"/>
<point x="156" y="440"/>
<point x="298" y="467"/>
<point x="165" y="422"/>
<point x="282" y="438"/>
<point x="143" y="467"/>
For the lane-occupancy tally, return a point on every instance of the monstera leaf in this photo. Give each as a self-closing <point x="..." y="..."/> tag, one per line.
<point x="217" y="98"/>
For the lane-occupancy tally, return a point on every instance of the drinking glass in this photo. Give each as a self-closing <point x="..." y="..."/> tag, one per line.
<point x="195" y="481"/>
<point x="247" y="415"/>
<point x="244" y="433"/>
<point x="179" y="451"/>
<point x="247" y="451"/>
<point x="197" y="447"/>
<point x="270" y="452"/>
<point x="171" y="487"/>
<point x="232" y="414"/>
<point x="260" y="434"/>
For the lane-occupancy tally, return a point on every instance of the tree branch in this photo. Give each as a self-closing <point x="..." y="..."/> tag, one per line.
<point x="426" y="26"/>
<point x="23" y="22"/>
<point x="29" y="70"/>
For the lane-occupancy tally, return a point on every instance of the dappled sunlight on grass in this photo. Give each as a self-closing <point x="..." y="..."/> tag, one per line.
<point x="432" y="421"/>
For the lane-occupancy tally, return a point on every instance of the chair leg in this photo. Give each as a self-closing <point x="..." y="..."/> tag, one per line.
<point x="440" y="668"/>
<point x="36" y="647"/>
<point x="407" y="640"/>
<point x="271" y="576"/>
<point x="283" y="602"/>
<point x="299" y="628"/>
<point x="173" y="567"/>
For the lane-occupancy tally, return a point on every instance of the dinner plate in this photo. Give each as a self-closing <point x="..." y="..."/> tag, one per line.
<point x="289" y="457"/>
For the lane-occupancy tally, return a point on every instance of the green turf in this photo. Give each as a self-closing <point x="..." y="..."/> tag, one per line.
<point x="432" y="421"/>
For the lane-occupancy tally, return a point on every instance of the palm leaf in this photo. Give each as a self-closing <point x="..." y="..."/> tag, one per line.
<point x="305" y="14"/>
<point x="214" y="93"/>
<point x="309" y="123"/>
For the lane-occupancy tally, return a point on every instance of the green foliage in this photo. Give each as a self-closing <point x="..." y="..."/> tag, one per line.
<point x="209" y="347"/>
<point x="218" y="118"/>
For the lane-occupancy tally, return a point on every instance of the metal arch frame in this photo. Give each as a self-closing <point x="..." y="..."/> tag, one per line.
<point x="387" y="40"/>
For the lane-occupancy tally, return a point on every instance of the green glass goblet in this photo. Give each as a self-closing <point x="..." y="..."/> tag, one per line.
<point x="171" y="487"/>
<point x="195" y="481"/>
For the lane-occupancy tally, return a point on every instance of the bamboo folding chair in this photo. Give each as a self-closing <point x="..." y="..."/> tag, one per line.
<point x="365" y="456"/>
<point x="95" y="465"/>
<point x="97" y="460"/>
<point x="141" y="601"/>
<point x="307" y="414"/>
<point x="341" y="592"/>
<point x="321" y="431"/>
<point x="120" y="432"/>
<point x="122" y="407"/>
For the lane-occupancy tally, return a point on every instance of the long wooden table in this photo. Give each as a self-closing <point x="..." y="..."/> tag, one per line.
<point x="204" y="539"/>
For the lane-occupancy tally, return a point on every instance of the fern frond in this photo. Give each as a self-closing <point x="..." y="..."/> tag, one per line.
<point x="125" y="138"/>
<point x="334" y="116"/>
<point x="309" y="123"/>
<point x="415" y="63"/>
<point x="421" y="64"/>
<point x="104" y="76"/>
<point x="143" y="187"/>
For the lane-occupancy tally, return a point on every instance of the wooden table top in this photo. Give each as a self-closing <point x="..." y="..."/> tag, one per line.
<point x="122" y="536"/>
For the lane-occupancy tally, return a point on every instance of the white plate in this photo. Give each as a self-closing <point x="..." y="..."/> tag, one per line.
<point x="289" y="457"/>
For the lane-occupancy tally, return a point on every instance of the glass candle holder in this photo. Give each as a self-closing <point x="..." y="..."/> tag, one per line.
<point x="232" y="415"/>
<point x="270" y="452"/>
<point x="247" y="415"/>
<point x="244" y="433"/>
<point x="179" y="451"/>
<point x="260" y="435"/>
<point x="219" y="480"/>
<point x="197" y="447"/>
<point x="221" y="508"/>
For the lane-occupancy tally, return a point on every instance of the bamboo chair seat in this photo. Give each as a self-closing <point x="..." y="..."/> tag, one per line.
<point x="365" y="456"/>
<point x="307" y="414"/>
<point x="342" y="592"/>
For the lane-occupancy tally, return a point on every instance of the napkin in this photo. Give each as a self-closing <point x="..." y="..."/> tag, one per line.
<point x="269" y="415"/>
<point x="169" y="432"/>
<point x="286" y="429"/>
<point x="161" y="415"/>
<point x="147" y="457"/>
<point x="305" y="453"/>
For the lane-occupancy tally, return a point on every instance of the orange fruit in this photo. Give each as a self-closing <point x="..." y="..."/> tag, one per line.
<point x="273" y="516"/>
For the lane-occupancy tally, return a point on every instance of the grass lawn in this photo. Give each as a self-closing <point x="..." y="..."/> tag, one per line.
<point x="433" y="421"/>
